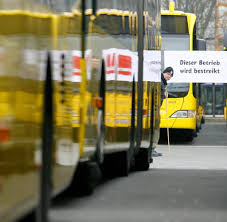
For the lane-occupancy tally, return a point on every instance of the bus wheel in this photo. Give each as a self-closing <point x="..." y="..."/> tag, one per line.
<point x="190" y="135"/>
<point x="116" y="164"/>
<point x="123" y="164"/>
<point x="203" y="120"/>
<point x="198" y="127"/>
<point x="194" y="133"/>
<point x="86" y="177"/>
<point x="142" y="159"/>
<point x="189" y="138"/>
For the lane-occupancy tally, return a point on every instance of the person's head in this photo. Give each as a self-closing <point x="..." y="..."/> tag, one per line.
<point x="168" y="73"/>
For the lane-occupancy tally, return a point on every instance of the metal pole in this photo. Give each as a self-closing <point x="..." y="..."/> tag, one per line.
<point x="140" y="47"/>
<point x="115" y="4"/>
<point x="186" y="6"/>
<point x="214" y="99"/>
<point x="47" y="143"/>
<point x="83" y="28"/>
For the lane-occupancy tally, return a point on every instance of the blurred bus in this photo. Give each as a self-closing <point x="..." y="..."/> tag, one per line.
<point x="69" y="96"/>
<point x="225" y="96"/>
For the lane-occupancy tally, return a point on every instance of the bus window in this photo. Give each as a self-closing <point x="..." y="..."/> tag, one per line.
<point x="126" y="25"/>
<point x="175" y="42"/>
<point x="174" y="24"/>
<point x="113" y="26"/>
<point x="177" y="90"/>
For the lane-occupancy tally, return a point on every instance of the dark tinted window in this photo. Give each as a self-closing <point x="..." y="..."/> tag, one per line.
<point x="126" y="25"/>
<point x="111" y="24"/>
<point x="174" y="24"/>
<point x="176" y="90"/>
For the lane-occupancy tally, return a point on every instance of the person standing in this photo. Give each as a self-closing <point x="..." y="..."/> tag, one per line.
<point x="166" y="75"/>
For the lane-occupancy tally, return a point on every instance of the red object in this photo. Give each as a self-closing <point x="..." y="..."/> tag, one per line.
<point x="97" y="102"/>
<point x="110" y="63"/>
<point x="124" y="65"/>
<point x="4" y="134"/>
<point x="76" y="65"/>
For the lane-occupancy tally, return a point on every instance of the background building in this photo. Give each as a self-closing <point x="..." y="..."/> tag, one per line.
<point x="220" y="23"/>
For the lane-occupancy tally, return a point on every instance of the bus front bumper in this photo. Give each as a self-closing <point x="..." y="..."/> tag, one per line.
<point x="179" y="123"/>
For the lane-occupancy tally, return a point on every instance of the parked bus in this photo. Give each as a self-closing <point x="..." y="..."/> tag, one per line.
<point x="178" y="31"/>
<point x="225" y="85"/>
<point x="71" y="95"/>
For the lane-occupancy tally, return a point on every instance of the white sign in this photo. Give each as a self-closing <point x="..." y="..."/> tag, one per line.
<point x="124" y="65"/>
<point x="109" y="56"/>
<point x="197" y="66"/>
<point x="76" y="77"/>
<point x="119" y="64"/>
<point x="152" y="66"/>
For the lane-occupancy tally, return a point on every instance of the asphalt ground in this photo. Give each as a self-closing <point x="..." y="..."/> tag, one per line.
<point x="187" y="184"/>
<point x="164" y="195"/>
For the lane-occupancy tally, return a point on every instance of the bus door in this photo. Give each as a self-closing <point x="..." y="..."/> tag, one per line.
<point x="219" y="99"/>
<point x="214" y="99"/>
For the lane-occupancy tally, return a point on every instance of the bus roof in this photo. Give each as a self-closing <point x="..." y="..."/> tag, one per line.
<point x="172" y="11"/>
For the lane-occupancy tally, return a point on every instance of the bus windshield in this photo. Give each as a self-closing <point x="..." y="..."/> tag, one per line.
<point x="175" y="42"/>
<point x="174" y="24"/>
<point x="177" y="90"/>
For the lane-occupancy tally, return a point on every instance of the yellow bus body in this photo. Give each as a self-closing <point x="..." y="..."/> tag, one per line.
<point x="24" y="43"/>
<point x="27" y="38"/>
<point x="174" y="105"/>
<point x="187" y="103"/>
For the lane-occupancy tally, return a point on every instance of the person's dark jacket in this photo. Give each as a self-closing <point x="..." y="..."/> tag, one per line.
<point x="163" y="87"/>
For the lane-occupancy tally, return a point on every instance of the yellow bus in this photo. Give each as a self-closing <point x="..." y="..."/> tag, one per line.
<point x="59" y="109"/>
<point x="184" y="113"/>
<point x="117" y="41"/>
<point x="225" y="85"/>
<point x="37" y="153"/>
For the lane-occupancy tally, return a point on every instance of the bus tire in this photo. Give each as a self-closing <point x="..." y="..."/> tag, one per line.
<point x="189" y="136"/>
<point x="142" y="159"/>
<point x="116" y="164"/>
<point x="124" y="164"/>
<point x="203" y="120"/>
<point x="198" y="127"/>
<point x="194" y="133"/>
<point x="86" y="177"/>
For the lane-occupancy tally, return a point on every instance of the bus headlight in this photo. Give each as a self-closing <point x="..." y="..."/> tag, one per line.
<point x="183" y="114"/>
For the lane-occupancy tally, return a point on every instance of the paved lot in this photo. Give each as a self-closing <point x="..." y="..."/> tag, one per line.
<point x="187" y="184"/>
<point x="159" y="195"/>
<point x="191" y="157"/>
<point x="207" y="151"/>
